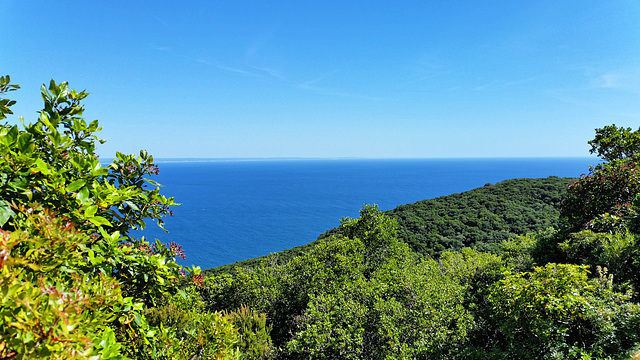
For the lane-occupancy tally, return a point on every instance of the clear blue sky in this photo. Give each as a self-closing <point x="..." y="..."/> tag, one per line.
<point x="408" y="79"/>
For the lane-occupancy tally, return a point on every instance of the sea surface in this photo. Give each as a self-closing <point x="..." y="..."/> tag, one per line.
<point x="238" y="209"/>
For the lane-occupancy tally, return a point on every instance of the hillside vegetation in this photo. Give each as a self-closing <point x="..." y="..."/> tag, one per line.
<point x="481" y="218"/>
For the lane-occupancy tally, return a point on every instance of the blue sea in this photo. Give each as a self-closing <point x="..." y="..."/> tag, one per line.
<point x="238" y="209"/>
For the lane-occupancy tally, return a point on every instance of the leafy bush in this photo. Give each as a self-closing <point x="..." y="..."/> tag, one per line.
<point x="194" y="335"/>
<point x="517" y="252"/>
<point x="46" y="296"/>
<point x="618" y="252"/>
<point x="52" y="162"/>
<point x="74" y="284"/>
<point x="253" y="331"/>
<point x="556" y="311"/>
<point x="602" y="200"/>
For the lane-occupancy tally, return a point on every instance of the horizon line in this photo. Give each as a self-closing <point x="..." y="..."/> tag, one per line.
<point x="301" y="158"/>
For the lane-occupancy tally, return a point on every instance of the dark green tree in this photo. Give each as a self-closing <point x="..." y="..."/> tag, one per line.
<point x="615" y="143"/>
<point x="603" y="200"/>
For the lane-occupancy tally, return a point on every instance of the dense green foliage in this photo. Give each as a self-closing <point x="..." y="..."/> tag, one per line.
<point x="481" y="218"/>
<point x="44" y="296"/>
<point x="344" y="299"/>
<point x="615" y="143"/>
<point x="74" y="285"/>
<point x="603" y="199"/>
<point x="365" y="296"/>
<point x="253" y="331"/>
<point x="557" y="311"/>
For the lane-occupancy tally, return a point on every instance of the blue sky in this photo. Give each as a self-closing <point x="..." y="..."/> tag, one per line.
<point x="393" y="79"/>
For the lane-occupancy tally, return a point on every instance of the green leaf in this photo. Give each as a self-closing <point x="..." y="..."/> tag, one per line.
<point x="12" y="135"/>
<point x="132" y="205"/>
<point x="5" y="212"/>
<point x="24" y="142"/>
<point x="42" y="167"/>
<point x="100" y="171"/>
<point x="99" y="221"/>
<point x="90" y="211"/>
<point x="55" y="137"/>
<point x="83" y="195"/>
<point x="19" y="184"/>
<point x="153" y="182"/>
<point x="76" y="185"/>
<point x="138" y="319"/>
<point x="28" y="337"/>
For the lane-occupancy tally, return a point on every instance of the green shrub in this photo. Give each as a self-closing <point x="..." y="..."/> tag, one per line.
<point x="74" y="285"/>
<point x="253" y="331"/>
<point x="45" y="298"/>
<point x="556" y="311"/>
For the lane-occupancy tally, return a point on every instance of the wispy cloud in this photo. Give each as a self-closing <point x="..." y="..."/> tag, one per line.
<point x="275" y="73"/>
<point x="592" y="80"/>
<point x="311" y="84"/>
<point x="486" y="85"/>
<point x="160" y="47"/>
<point x="503" y="83"/>
<point x="160" y="20"/>
<point x="226" y="68"/>
<point x="254" y="71"/>
<point x="592" y="94"/>
<point x="315" y="86"/>
<point x="621" y="79"/>
<point x="425" y="68"/>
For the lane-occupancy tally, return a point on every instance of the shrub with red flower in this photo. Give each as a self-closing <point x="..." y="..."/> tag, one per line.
<point x="602" y="199"/>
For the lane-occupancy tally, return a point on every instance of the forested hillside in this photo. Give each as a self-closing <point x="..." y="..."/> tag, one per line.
<point x="479" y="218"/>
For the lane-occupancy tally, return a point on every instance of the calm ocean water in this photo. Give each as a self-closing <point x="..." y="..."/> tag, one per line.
<point x="235" y="210"/>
